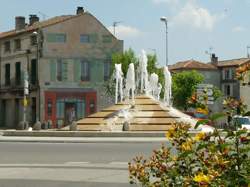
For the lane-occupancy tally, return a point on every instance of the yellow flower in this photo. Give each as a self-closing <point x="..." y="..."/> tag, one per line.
<point x="170" y="133"/>
<point x="200" y="136"/>
<point x="187" y="146"/>
<point x="201" y="178"/>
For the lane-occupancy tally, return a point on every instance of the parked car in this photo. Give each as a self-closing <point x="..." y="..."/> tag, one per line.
<point x="241" y="122"/>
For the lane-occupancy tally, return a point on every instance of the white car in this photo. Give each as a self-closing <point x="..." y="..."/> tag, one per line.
<point x="243" y="121"/>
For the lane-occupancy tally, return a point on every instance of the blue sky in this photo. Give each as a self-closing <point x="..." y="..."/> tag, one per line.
<point x="194" y="25"/>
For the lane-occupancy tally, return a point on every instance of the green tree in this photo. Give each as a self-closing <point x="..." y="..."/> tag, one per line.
<point x="184" y="84"/>
<point x="125" y="59"/>
<point x="129" y="57"/>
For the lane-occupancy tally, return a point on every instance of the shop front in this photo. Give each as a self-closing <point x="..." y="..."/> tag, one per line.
<point x="62" y="106"/>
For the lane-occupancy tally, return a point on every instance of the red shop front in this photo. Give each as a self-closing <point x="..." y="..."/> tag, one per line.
<point x="62" y="106"/>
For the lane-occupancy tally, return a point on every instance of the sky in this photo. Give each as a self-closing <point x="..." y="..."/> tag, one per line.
<point x="196" y="28"/>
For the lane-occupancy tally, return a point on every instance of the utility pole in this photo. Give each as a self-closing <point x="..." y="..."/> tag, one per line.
<point x="248" y="55"/>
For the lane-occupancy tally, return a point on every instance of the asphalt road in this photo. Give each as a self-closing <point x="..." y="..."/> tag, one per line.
<point x="68" y="164"/>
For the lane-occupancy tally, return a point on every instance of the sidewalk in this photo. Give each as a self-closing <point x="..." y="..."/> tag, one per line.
<point x="82" y="139"/>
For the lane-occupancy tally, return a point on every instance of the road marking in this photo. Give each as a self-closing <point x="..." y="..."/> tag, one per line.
<point x="76" y="163"/>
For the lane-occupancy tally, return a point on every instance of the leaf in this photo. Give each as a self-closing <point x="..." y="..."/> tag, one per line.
<point x="247" y="113"/>
<point x="201" y="122"/>
<point x="217" y="116"/>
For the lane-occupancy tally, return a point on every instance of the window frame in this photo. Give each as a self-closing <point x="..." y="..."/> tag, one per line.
<point x="17" y="44"/>
<point x="84" y="38"/>
<point x="7" y="78"/>
<point x="7" y="47"/>
<point x="85" y="64"/>
<point x="59" y="70"/>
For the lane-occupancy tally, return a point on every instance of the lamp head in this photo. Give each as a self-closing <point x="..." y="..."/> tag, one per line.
<point x="164" y="19"/>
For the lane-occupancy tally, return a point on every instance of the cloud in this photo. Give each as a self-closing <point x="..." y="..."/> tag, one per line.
<point x="198" y="17"/>
<point x="238" y="29"/>
<point x="123" y="31"/>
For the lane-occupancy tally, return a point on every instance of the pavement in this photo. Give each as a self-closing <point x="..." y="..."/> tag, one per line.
<point x="81" y="139"/>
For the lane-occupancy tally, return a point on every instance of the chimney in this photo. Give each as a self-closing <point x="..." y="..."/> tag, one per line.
<point x="33" y="19"/>
<point x="79" y="10"/>
<point x="20" y="22"/>
<point x="214" y="59"/>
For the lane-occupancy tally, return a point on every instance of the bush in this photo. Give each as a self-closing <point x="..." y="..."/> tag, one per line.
<point x="212" y="159"/>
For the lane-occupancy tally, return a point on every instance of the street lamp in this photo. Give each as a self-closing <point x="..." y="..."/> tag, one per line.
<point x="36" y="33"/>
<point x="164" y="19"/>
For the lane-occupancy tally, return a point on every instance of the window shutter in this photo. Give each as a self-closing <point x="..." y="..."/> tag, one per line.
<point x="223" y="74"/>
<point x="231" y="90"/>
<point x="64" y="70"/>
<point x="52" y="70"/>
<point x="77" y="70"/>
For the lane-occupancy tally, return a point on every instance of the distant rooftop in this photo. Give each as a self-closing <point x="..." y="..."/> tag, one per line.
<point x="233" y="62"/>
<point x="192" y="64"/>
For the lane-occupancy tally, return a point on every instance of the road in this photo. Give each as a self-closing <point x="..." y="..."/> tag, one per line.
<point x="68" y="164"/>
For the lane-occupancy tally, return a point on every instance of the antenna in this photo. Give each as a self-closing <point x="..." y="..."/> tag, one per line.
<point x="115" y="23"/>
<point x="44" y="16"/>
<point x="209" y="51"/>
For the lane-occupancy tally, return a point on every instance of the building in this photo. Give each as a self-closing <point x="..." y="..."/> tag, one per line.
<point x="209" y="71"/>
<point x="67" y="59"/>
<point x="220" y="74"/>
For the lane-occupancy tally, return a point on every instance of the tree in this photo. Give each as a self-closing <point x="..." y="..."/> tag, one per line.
<point x="184" y="84"/>
<point x="129" y="57"/>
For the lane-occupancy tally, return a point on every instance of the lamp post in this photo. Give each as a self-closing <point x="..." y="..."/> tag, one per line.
<point x="164" y="19"/>
<point x="37" y="34"/>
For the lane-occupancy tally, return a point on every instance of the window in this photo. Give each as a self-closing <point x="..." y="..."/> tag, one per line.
<point x="85" y="71"/>
<point x="106" y="39"/>
<point x="92" y="106"/>
<point x="7" y="74"/>
<point x="33" y="40"/>
<point x="84" y="38"/>
<point x="56" y="38"/>
<point x="228" y="90"/>
<point x="106" y="70"/>
<point x="7" y="46"/>
<point x="17" y="44"/>
<point x="60" y="108"/>
<point x="228" y="74"/>
<point x="33" y="76"/>
<point x="18" y="73"/>
<point x="59" y="70"/>
<point x="49" y="107"/>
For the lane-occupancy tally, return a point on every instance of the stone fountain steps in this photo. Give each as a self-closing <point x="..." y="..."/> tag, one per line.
<point x="147" y="115"/>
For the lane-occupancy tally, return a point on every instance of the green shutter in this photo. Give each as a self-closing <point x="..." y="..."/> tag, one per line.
<point x="64" y="70"/>
<point x="77" y="70"/>
<point x="52" y="70"/>
<point x="93" y="38"/>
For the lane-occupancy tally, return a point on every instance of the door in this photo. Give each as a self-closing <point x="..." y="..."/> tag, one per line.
<point x="70" y="112"/>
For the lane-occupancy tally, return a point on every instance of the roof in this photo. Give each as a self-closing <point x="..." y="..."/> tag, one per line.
<point x="192" y="64"/>
<point x="233" y="62"/>
<point x="37" y="25"/>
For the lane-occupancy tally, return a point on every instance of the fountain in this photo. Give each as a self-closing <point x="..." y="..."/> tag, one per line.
<point x="130" y="82"/>
<point x="143" y="63"/>
<point x="138" y="113"/>
<point x="118" y="85"/>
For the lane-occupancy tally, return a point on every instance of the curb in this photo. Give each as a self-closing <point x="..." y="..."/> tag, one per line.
<point x="80" y="140"/>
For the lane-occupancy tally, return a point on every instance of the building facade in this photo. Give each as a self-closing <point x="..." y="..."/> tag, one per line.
<point x="220" y="74"/>
<point x="67" y="59"/>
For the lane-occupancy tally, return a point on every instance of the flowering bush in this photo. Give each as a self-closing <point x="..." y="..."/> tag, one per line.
<point x="202" y="160"/>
